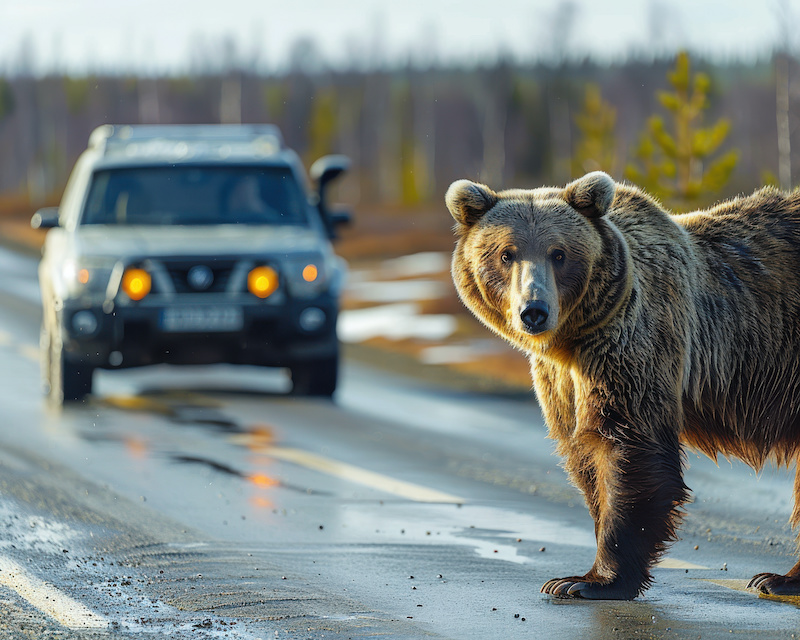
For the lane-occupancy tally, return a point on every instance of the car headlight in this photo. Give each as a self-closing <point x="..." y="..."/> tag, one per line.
<point x="136" y="283"/>
<point x="86" y="276"/>
<point x="262" y="281"/>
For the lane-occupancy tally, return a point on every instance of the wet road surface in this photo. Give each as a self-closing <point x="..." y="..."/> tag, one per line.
<point x="206" y="503"/>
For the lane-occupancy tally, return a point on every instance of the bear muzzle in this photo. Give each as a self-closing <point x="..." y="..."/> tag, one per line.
<point x="534" y="316"/>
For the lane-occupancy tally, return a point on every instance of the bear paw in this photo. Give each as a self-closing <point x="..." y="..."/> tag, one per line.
<point x="775" y="584"/>
<point x="589" y="588"/>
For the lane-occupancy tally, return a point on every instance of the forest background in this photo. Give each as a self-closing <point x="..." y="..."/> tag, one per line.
<point x="691" y="129"/>
<point x="411" y="131"/>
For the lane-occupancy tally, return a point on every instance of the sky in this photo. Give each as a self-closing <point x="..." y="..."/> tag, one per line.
<point x="175" y="36"/>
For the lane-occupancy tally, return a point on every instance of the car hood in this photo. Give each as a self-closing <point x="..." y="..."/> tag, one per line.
<point x="121" y="242"/>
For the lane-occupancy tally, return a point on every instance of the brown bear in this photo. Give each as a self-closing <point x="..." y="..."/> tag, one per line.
<point x="646" y="331"/>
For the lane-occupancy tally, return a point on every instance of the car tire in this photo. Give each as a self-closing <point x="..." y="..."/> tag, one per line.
<point x="316" y="377"/>
<point x="65" y="380"/>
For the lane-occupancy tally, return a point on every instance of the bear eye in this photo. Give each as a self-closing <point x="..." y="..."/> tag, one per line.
<point x="507" y="256"/>
<point x="558" y="256"/>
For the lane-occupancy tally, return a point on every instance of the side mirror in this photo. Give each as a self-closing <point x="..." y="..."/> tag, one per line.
<point x="340" y="217"/>
<point x="322" y="173"/>
<point x="328" y="168"/>
<point x="46" y="218"/>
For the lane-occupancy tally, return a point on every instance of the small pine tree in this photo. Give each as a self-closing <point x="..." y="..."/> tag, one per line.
<point x="323" y="126"/>
<point x="595" y="150"/>
<point x="677" y="166"/>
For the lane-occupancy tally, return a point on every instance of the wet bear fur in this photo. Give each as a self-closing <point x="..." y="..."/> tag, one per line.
<point x="646" y="332"/>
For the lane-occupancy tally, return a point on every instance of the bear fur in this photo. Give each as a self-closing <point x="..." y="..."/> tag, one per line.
<point x="646" y="332"/>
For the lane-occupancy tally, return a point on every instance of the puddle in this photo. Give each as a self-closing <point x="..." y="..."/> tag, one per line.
<point x="181" y="408"/>
<point x="257" y="479"/>
<point x="202" y="415"/>
<point x="492" y="533"/>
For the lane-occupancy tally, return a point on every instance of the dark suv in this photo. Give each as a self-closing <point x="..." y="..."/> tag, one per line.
<point x="191" y="245"/>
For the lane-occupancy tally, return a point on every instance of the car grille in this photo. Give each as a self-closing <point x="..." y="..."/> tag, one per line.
<point x="182" y="284"/>
<point x="197" y="276"/>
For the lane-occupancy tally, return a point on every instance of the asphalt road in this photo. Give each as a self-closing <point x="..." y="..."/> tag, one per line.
<point x="206" y="503"/>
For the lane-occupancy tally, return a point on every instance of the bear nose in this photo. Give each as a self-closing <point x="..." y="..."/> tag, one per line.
<point x="535" y="315"/>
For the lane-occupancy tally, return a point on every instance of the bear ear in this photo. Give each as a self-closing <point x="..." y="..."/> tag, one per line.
<point x="468" y="201"/>
<point x="591" y="195"/>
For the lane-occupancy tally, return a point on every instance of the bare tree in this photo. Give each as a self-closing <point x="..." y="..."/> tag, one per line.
<point x="782" y="102"/>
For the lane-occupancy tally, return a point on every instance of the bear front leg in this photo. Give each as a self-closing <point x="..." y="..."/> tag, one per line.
<point x="634" y="488"/>
<point x="774" y="583"/>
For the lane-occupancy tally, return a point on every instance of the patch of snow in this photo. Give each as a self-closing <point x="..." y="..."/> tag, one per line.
<point x="394" y="321"/>
<point x="417" y="264"/>
<point x="458" y="353"/>
<point x="397" y="291"/>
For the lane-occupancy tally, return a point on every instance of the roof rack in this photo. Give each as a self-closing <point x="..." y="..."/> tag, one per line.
<point x="185" y="141"/>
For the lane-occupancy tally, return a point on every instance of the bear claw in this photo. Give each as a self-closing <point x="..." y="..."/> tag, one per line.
<point x="563" y="587"/>
<point x="582" y="587"/>
<point x="775" y="584"/>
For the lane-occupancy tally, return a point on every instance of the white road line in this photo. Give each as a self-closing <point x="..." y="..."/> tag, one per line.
<point x="65" y="610"/>
<point x="351" y="473"/>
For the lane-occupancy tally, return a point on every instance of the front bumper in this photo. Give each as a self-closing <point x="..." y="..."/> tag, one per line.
<point x="277" y="333"/>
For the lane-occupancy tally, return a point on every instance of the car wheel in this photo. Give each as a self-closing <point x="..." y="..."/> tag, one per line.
<point x="66" y="381"/>
<point x="315" y="378"/>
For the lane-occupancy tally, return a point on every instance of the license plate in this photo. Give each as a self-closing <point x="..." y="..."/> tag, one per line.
<point x="202" y="318"/>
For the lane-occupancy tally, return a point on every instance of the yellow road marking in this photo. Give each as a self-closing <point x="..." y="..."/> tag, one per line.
<point x="741" y="585"/>
<point x="66" y="611"/>
<point x="736" y="585"/>
<point x="168" y="403"/>
<point x="674" y="563"/>
<point x="351" y="473"/>
<point x="137" y="403"/>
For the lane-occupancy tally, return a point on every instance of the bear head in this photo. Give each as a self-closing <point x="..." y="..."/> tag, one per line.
<point x="525" y="258"/>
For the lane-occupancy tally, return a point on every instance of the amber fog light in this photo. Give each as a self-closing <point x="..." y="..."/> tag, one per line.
<point x="262" y="281"/>
<point x="310" y="273"/>
<point x="136" y="283"/>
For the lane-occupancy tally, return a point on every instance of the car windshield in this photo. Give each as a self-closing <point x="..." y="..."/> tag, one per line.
<point x="195" y="195"/>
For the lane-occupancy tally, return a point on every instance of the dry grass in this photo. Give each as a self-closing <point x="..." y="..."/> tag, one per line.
<point x="512" y="369"/>
<point x="387" y="231"/>
<point x="18" y="233"/>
